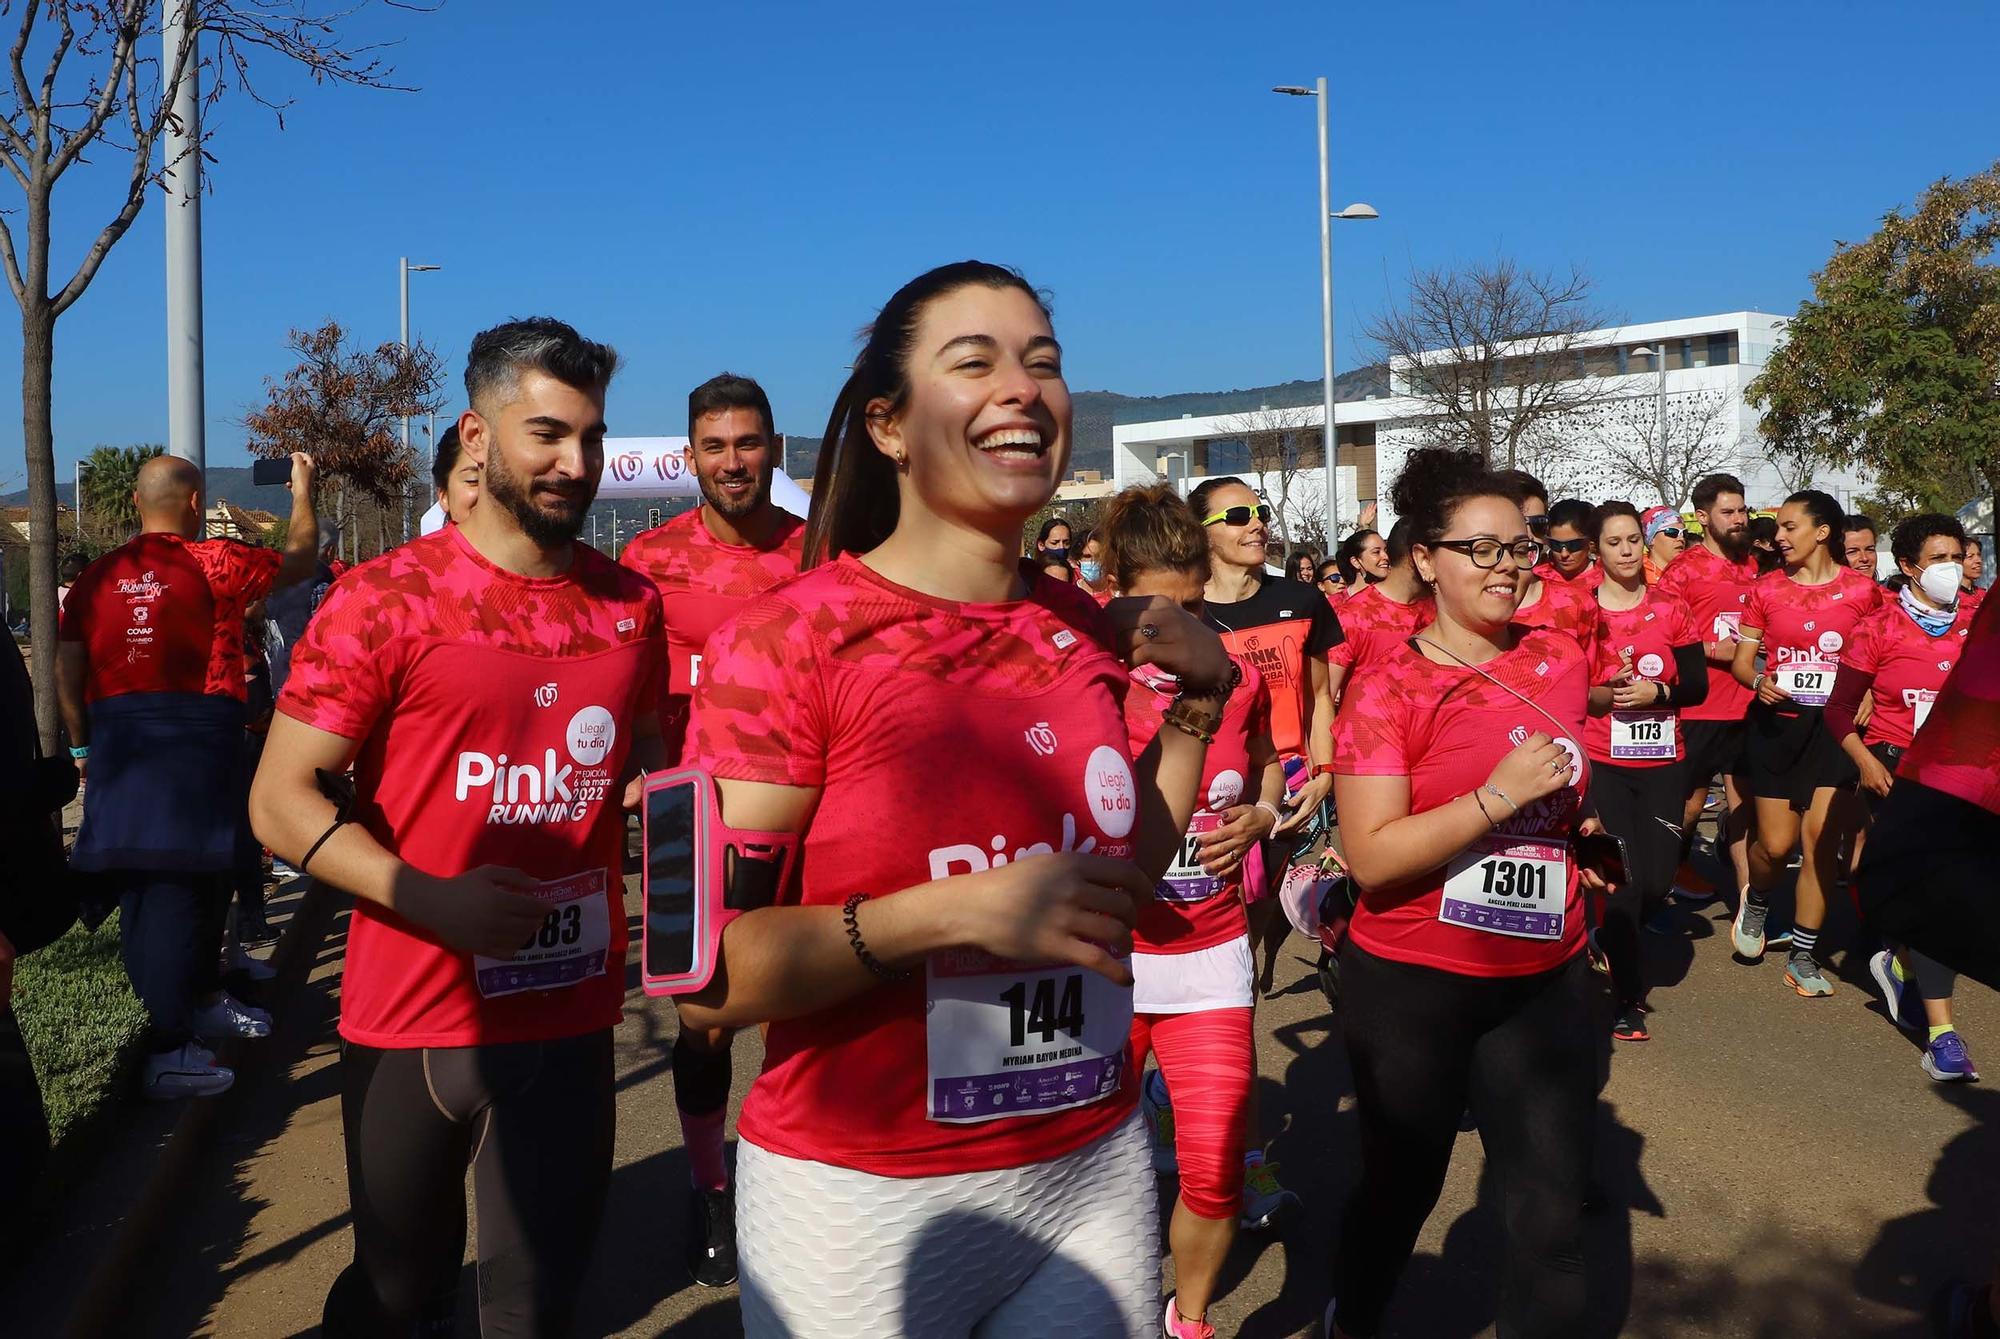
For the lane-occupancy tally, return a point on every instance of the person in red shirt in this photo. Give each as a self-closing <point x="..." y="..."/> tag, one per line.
<point x="1713" y="578"/>
<point x="1902" y="654"/>
<point x="1975" y="568"/>
<point x="1461" y="783"/>
<point x="1647" y="665"/>
<point x="1858" y="545"/>
<point x="1381" y="615"/>
<point x="945" y="1136"/>
<point x="1191" y="960"/>
<point x="1801" y="618"/>
<point x="1558" y="604"/>
<point x="493" y="686"/>
<point x="1571" y="545"/>
<point x="1362" y="559"/>
<point x="150" y="681"/>
<point x="707" y="564"/>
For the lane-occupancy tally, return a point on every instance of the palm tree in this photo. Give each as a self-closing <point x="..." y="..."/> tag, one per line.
<point x="109" y="475"/>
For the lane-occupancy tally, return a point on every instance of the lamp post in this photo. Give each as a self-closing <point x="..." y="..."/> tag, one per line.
<point x="1329" y="434"/>
<point x="403" y="272"/>
<point x="1659" y="357"/>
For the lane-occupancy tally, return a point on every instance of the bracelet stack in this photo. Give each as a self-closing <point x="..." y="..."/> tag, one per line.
<point x="860" y="947"/>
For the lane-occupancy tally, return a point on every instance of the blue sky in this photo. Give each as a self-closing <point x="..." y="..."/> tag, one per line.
<point x="740" y="186"/>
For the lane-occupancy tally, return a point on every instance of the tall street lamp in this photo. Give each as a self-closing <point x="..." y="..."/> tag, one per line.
<point x="403" y="272"/>
<point x="1659" y="357"/>
<point x="1330" y="435"/>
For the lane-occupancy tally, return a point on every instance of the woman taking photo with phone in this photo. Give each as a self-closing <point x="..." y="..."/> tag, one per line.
<point x="1460" y="783"/>
<point x="1801" y="617"/>
<point x="944" y="1136"/>
<point x="1648" y="664"/>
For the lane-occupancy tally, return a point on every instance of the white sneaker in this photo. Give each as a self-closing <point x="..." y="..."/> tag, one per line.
<point x="186" y="1071"/>
<point x="230" y="1017"/>
<point x="239" y="959"/>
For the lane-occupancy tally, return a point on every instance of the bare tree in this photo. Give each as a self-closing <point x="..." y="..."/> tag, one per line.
<point x="1492" y="352"/>
<point x="1664" y="451"/>
<point x="1284" y="446"/>
<point x="82" y="82"/>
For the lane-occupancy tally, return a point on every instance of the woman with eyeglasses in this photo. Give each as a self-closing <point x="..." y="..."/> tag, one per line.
<point x="1284" y="628"/>
<point x="945" y="1137"/>
<point x="1461" y="779"/>
<point x="1647" y="665"/>
<point x="1666" y="539"/>
<point x="1903" y="653"/>
<point x="1801" y="618"/>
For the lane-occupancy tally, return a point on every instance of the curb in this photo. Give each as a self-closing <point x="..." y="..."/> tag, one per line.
<point x="107" y="1293"/>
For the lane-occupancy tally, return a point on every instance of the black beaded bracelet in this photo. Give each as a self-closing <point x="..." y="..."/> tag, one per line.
<point x="854" y="941"/>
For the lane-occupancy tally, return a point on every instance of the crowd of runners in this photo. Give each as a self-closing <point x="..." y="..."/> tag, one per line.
<point x="1043" y="809"/>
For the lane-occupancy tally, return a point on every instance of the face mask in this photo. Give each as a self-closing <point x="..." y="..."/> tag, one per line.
<point x="1057" y="553"/>
<point x="1093" y="571"/>
<point x="1940" y="581"/>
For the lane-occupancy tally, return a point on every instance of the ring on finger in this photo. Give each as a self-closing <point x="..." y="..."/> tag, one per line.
<point x="1149" y="630"/>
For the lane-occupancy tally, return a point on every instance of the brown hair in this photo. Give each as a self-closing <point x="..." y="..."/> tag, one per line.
<point x="855" y="502"/>
<point x="1147" y="528"/>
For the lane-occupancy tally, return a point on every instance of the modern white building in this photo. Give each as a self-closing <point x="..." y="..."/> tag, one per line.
<point x="1690" y="374"/>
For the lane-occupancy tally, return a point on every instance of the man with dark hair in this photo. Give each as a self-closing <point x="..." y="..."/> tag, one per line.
<point x="1571" y="544"/>
<point x="494" y="686"/>
<point x="1714" y="578"/>
<point x="150" y="674"/>
<point x="1858" y="544"/>
<point x="707" y="564"/>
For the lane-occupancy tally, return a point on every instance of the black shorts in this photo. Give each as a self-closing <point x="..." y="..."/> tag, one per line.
<point x="1926" y="879"/>
<point x="1888" y="755"/>
<point x="1714" y="748"/>
<point x="1788" y="757"/>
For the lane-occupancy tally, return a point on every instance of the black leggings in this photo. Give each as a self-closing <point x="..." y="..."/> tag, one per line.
<point x="534" y="1121"/>
<point x="1642" y="805"/>
<point x="1424" y="1044"/>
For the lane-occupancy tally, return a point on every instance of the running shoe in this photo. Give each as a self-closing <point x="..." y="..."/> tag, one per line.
<point x="1159" y="1107"/>
<point x="230" y="1017"/>
<point x="1630" y="1025"/>
<point x="711" y="1251"/>
<point x="1896" y="995"/>
<point x="1746" y="932"/>
<point x="1175" y="1326"/>
<point x="1777" y="936"/>
<point x="186" y="1071"/>
<point x="1947" y="1060"/>
<point x="1802" y="974"/>
<point x="1690" y="887"/>
<point x="1266" y="1204"/>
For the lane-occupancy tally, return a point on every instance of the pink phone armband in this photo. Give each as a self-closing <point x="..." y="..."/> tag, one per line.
<point x="699" y="875"/>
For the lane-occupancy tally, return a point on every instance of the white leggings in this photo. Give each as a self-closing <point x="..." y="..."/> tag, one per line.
<point x="1067" y="1247"/>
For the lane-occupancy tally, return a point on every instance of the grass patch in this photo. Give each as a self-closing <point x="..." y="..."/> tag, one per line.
<point x="81" y="1021"/>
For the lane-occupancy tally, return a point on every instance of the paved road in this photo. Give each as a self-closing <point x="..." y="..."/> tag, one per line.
<point x="1775" y="1167"/>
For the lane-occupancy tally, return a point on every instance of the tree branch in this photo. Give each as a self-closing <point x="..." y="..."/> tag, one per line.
<point x="14" y="279"/>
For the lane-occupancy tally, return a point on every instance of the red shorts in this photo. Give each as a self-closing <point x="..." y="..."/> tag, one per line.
<point x="1209" y="1064"/>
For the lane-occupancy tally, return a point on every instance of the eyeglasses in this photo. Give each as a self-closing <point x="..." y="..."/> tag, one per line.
<point x="1239" y="515"/>
<point x="1486" y="552"/>
<point x="1567" y="545"/>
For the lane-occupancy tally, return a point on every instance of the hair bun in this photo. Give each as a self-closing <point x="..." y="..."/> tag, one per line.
<point x="1432" y="473"/>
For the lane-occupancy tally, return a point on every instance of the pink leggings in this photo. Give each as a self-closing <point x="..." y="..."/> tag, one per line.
<point x="1207" y="1061"/>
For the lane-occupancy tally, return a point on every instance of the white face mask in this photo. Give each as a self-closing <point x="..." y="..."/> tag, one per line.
<point x="1940" y="581"/>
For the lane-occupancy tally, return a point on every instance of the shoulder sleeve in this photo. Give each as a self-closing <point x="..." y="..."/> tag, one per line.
<point x="1755" y="613"/>
<point x="1874" y="599"/>
<point x="1371" y="733"/>
<point x="1681" y="626"/>
<point x="1864" y="649"/>
<point x="237" y="572"/>
<point x="759" y="712"/>
<point x="342" y="673"/>
<point x="1325" y="633"/>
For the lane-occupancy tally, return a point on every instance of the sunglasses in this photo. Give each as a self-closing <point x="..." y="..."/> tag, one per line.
<point x="1567" y="545"/>
<point x="1539" y="522"/>
<point x="1331" y="574"/>
<point x="1486" y="552"/>
<point x="1672" y="531"/>
<point x="1239" y="515"/>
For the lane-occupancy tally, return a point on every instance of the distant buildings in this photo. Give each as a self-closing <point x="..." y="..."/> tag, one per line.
<point x="1696" y="369"/>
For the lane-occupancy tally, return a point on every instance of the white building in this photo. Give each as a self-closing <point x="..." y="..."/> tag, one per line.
<point x="1695" y="369"/>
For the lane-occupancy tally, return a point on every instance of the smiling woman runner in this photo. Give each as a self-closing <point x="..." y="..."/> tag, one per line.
<point x="1459" y="781"/>
<point x="943" y="1139"/>
<point x="1191" y="949"/>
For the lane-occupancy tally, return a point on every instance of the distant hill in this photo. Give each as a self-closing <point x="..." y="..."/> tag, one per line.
<point x="1097" y="412"/>
<point x="226" y="483"/>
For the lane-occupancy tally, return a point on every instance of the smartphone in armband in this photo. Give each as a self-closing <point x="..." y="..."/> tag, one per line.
<point x="677" y="940"/>
<point x="1604" y="854"/>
